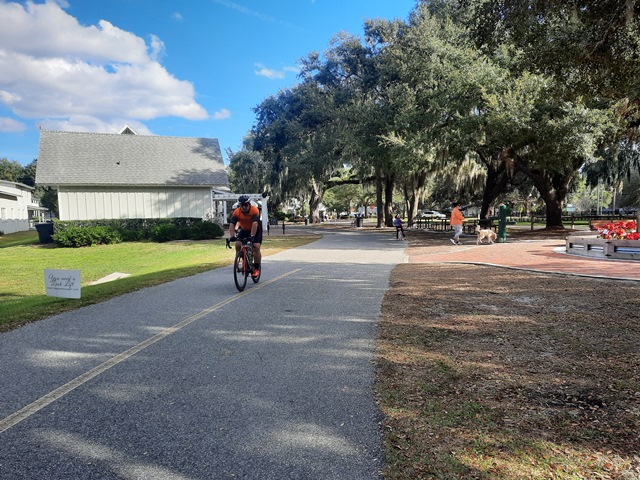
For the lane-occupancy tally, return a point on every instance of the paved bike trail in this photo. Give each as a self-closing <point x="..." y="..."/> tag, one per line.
<point x="193" y="380"/>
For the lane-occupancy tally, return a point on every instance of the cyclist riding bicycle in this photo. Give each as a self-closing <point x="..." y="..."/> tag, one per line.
<point x="247" y="217"/>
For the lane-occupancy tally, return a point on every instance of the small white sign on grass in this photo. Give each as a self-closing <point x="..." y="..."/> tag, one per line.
<point x="62" y="283"/>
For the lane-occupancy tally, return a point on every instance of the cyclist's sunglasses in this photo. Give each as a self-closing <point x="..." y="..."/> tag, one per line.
<point x="245" y="204"/>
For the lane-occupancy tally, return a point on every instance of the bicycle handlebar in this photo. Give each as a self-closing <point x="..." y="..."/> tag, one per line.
<point x="245" y="241"/>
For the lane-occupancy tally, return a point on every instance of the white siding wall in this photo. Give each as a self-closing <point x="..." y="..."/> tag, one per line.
<point x="104" y="203"/>
<point x="14" y="213"/>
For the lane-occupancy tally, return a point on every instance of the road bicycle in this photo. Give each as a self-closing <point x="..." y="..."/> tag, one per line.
<point x="243" y="264"/>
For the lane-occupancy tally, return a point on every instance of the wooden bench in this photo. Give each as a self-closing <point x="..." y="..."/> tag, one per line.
<point x="470" y="227"/>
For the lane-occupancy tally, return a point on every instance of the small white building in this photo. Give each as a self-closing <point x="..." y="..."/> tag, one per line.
<point x="18" y="207"/>
<point x="125" y="175"/>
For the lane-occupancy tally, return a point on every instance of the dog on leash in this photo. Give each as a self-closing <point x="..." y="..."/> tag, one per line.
<point x="485" y="233"/>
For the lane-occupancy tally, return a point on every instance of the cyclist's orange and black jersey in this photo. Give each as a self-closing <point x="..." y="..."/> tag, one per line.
<point x="245" y="220"/>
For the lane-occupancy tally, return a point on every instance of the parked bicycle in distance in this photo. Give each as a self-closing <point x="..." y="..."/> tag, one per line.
<point x="243" y="264"/>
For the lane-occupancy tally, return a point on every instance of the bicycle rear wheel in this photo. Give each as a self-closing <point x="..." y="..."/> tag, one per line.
<point x="240" y="271"/>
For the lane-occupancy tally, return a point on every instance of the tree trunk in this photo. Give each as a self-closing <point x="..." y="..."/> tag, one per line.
<point x="410" y="202"/>
<point x="552" y="186"/>
<point x="388" y="199"/>
<point x="413" y="189"/>
<point x="314" y="201"/>
<point x="497" y="181"/>
<point x="379" y="204"/>
<point x="500" y="171"/>
<point x="556" y="196"/>
<point x="554" y="211"/>
<point x="553" y="189"/>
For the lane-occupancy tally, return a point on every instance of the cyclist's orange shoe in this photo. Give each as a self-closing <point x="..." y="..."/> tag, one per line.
<point x="255" y="272"/>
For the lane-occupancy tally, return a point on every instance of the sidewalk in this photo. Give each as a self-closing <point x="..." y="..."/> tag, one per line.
<point x="545" y="256"/>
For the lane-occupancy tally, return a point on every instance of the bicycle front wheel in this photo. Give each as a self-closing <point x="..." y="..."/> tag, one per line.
<point x="240" y="271"/>
<point x="256" y="278"/>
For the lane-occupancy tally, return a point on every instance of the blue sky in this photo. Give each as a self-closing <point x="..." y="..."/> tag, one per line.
<point x="192" y="68"/>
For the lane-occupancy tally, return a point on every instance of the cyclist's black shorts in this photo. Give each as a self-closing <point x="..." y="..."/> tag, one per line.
<point x="242" y="234"/>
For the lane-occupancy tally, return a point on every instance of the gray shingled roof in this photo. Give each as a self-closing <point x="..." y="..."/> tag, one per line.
<point x="73" y="158"/>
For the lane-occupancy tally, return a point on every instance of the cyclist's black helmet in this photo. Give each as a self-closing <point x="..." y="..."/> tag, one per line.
<point x="243" y="199"/>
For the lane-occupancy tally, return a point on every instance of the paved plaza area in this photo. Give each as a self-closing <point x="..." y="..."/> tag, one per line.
<point x="545" y="256"/>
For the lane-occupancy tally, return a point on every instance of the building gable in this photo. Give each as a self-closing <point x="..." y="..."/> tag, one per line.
<point x="93" y="159"/>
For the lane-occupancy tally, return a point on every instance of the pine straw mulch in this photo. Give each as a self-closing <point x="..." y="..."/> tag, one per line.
<point x="489" y="373"/>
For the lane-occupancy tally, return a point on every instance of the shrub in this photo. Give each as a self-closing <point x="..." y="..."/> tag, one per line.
<point x="165" y="233"/>
<point x="73" y="237"/>
<point x="133" y="235"/>
<point x="206" y="231"/>
<point x="86" y="236"/>
<point x="107" y="235"/>
<point x="73" y="234"/>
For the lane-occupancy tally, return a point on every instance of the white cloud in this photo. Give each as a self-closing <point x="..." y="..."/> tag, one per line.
<point x="8" y="98"/>
<point x="244" y="10"/>
<point x="274" y="74"/>
<point x="46" y="30"/>
<point x="54" y="68"/>
<point x="157" y="47"/>
<point x="247" y="11"/>
<point x="222" y="114"/>
<point x="11" y="125"/>
<point x="80" y="123"/>
<point x="267" y="72"/>
<point x="177" y="16"/>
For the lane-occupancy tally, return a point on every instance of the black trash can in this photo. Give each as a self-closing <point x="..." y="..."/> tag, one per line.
<point x="359" y="221"/>
<point x="45" y="230"/>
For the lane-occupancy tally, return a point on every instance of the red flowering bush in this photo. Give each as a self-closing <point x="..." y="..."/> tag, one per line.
<point x="619" y="231"/>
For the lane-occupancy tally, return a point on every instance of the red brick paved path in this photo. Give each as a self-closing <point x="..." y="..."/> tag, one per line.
<point x="536" y="255"/>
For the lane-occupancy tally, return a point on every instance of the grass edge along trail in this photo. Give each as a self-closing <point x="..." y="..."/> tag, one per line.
<point x="22" y="263"/>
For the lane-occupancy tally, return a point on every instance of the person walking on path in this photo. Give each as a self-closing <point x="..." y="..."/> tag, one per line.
<point x="456" y="222"/>
<point x="397" y="222"/>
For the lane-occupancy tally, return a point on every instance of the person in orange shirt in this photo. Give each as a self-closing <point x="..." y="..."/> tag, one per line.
<point x="456" y="222"/>
<point x="247" y="217"/>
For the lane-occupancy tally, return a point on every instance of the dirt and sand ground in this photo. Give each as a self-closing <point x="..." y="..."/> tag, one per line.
<point x="486" y="372"/>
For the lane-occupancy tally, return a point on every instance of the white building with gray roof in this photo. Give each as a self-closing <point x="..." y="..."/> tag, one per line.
<point x="125" y="175"/>
<point x="19" y="209"/>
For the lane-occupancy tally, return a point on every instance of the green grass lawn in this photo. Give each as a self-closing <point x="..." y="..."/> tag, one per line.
<point x="22" y="264"/>
<point x="20" y="238"/>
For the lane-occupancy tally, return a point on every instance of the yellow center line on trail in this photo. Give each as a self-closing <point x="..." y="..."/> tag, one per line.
<point x="59" y="392"/>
